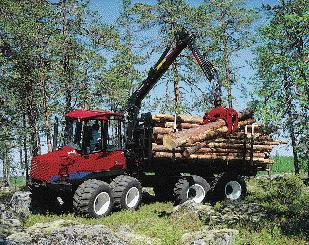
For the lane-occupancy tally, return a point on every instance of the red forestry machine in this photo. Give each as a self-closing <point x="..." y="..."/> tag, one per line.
<point x="106" y="157"/>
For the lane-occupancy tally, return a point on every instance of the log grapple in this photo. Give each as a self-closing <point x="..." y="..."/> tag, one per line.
<point x="229" y="115"/>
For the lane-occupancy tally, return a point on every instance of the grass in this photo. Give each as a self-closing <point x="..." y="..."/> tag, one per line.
<point x="286" y="202"/>
<point x="17" y="181"/>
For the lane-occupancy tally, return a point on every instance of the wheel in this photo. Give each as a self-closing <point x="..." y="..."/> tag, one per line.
<point x="191" y="188"/>
<point x="127" y="192"/>
<point x="230" y="186"/>
<point x="93" y="198"/>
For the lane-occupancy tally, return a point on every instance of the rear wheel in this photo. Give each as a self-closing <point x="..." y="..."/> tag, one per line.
<point x="127" y="192"/>
<point x="230" y="186"/>
<point x="93" y="198"/>
<point x="191" y="188"/>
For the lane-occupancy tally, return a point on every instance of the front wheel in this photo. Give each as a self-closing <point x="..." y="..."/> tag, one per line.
<point x="191" y="188"/>
<point x="93" y="198"/>
<point x="127" y="192"/>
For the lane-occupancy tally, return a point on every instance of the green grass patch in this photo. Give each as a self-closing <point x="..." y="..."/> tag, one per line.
<point x="272" y="235"/>
<point x="283" y="164"/>
<point x="286" y="201"/>
<point x="16" y="181"/>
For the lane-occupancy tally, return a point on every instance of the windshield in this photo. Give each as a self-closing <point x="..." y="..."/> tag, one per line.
<point x="92" y="135"/>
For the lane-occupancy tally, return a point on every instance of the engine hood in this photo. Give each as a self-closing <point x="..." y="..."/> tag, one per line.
<point x="44" y="166"/>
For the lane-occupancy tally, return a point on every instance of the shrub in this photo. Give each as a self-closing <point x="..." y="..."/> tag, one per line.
<point x="287" y="190"/>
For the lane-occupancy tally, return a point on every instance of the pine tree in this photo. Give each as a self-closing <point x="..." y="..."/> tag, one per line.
<point x="283" y="85"/>
<point x="168" y="17"/>
<point x="122" y="75"/>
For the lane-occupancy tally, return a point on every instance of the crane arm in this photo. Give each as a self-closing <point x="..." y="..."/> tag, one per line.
<point x="183" y="40"/>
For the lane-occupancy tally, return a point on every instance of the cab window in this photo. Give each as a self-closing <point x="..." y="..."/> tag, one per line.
<point x="115" y="134"/>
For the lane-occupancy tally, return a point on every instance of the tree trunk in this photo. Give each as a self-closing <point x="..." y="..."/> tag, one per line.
<point x="226" y="63"/>
<point x="45" y="108"/>
<point x="176" y="83"/>
<point x="66" y="72"/>
<point x="181" y="125"/>
<point x="290" y="120"/>
<point x="215" y="156"/>
<point x="25" y="148"/>
<point x="176" y="88"/>
<point x="32" y="118"/>
<point x="6" y="168"/>
<point x="168" y="118"/>
<point x="199" y="134"/>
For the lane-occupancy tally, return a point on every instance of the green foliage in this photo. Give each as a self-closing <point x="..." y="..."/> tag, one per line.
<point x="285" y="200"/>
<point x="283" y="164"/>
<point x="282" y="88"/>
<point x="287" y="191"/>
<point x="267" y="236"/>
<point x="280" y="225"/>
<point x="168" y="18"/>
<point x="225" y="28"/>
<point x="217" y="206"/>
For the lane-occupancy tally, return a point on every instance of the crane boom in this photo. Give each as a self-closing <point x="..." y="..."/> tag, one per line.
<point x="183" y="40"/>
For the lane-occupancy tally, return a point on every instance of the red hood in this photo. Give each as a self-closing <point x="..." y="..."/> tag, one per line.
<point x="44" y="166"/>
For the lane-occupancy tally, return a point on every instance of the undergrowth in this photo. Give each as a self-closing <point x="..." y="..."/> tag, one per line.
<point x="287" y="205"/>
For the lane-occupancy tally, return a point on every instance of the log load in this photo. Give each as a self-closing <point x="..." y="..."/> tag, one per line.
<point x="193" y="140"/>
<point x="199" y="134"/>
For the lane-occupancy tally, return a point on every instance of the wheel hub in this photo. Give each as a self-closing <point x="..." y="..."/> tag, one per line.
<point x="232" y="190"/>
<point x="101" y="203"/>
<point x="196" y="193"/>
<point x="132" y="197"/>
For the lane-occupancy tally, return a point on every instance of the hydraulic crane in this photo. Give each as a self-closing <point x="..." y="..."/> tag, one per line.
<point x="183" y="40"/>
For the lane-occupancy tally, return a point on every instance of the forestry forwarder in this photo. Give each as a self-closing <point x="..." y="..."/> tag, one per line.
<point x="104" y="164"/>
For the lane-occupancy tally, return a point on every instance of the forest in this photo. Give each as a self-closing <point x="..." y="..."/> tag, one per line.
<point x="56" y="56"/>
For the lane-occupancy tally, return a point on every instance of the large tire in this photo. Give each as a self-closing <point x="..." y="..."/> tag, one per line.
<point x="193" y="187"/>
<point x="127" y="192"/>
<point x="230" y="186"/>
<point x="93" y="198"/>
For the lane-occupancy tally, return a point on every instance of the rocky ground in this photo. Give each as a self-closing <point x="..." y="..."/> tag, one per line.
<point x="215" y="218"/>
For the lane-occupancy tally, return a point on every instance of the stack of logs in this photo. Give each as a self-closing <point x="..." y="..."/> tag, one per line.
<point x="187" y="138"/>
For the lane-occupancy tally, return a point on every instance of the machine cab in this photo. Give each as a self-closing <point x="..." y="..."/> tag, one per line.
<point x="94" y="131"/>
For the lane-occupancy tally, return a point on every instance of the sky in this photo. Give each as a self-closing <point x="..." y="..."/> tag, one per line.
<point x="109" y="11"/>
